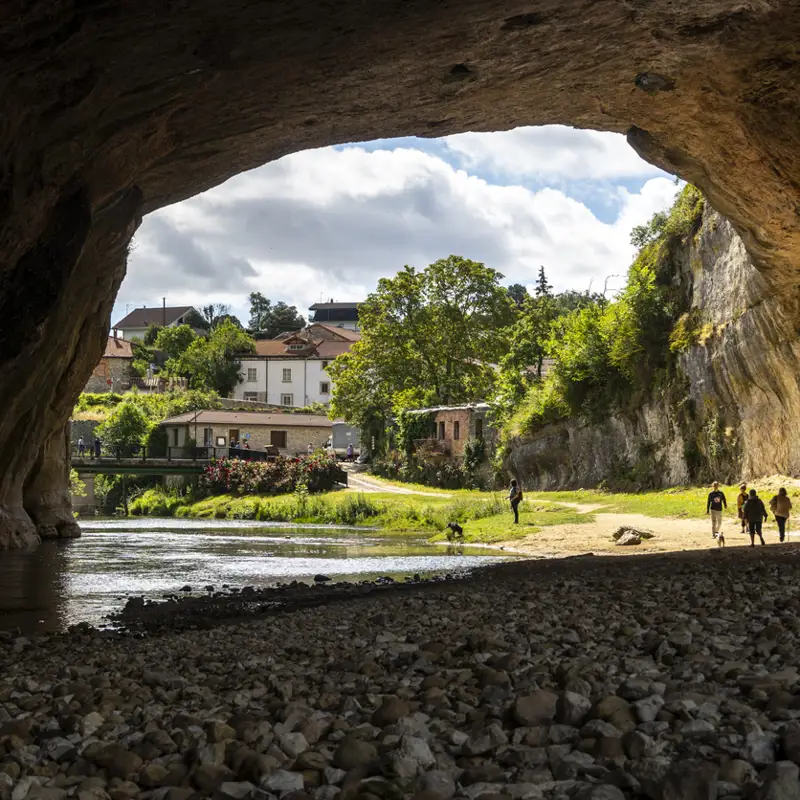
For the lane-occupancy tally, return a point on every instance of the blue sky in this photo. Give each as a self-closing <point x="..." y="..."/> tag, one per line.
<point x="329" y="222"/>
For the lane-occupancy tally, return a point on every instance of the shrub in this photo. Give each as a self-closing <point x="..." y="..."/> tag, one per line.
<point x="283" y="475"/>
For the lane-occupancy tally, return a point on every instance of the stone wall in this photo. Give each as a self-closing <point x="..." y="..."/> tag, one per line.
<point x="734" y="410"/>
<point x="298" y="437"/>
<point x="118" y="370"/>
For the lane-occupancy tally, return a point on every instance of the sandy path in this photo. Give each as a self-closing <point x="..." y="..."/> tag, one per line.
<point x="670" y="535"/>
<point x="359" y="482"/>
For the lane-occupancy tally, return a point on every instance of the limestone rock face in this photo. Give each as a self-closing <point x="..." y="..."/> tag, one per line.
<point x="739" y="413"/>
<point x="114" y="109"/>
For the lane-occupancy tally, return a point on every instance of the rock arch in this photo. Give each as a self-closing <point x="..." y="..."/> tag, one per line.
<point x="112" y="109"/>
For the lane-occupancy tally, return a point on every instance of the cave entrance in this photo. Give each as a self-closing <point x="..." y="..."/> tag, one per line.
<point x="112" y="111"/>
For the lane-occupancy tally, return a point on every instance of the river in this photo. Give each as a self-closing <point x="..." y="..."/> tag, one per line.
<point x="60" y="584"/>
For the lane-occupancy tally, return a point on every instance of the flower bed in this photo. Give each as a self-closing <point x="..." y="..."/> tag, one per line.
<point x="317" y="473"/>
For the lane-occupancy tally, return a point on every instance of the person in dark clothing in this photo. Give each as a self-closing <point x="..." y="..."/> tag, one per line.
<point x="715" y="503"/>
<point x="756" y="515"/>
<point x="97" y="446"/>
<point x="515" y="498"/>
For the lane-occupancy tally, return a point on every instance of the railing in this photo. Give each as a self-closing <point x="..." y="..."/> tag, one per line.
<point x="141" y="453"/>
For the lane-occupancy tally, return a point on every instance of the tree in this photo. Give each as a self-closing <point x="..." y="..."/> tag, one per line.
<point x="213" y="313"/>
<point x="151" y="334"/>
<point x="195" y="320"/>
<point x="174" y="341"/>
<point x="126" y="427"/>
<point x="260" y="309"/>
<point x="267" y="321"/>
<point x="642" y="235"/>
<point x="427" y="338"/>
<point x="518" y="293"/>
<point x="213" y="363"/>
<point x="543" y="288"/>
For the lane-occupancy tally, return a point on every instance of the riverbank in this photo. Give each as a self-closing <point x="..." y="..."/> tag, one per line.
<point x="551" y="523"/>
<point x="657" y="677"/>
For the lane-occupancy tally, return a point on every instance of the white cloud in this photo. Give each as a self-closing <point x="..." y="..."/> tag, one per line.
<point x="551" y="151"/>
<point x="330" y="222"/>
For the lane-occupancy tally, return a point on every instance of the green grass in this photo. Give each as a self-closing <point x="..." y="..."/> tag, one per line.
<point x="486" y="516"/>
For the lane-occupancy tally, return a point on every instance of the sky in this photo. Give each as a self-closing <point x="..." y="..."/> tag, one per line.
<point x="328" y="223"/>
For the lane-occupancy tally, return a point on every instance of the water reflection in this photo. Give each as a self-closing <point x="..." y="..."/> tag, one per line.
<point x="57" y="585"/>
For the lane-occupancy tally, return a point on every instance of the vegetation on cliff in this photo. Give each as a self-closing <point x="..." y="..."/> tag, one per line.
<point x="609" y="355"/>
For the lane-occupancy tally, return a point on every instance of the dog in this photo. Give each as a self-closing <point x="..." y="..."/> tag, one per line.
<point x="455" y="531"/>
<point x="721" y="539"/>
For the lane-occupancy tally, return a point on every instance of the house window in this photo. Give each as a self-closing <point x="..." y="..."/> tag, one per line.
<point x="478" y="428"/>
<point x="287" y="375"/>
<point x="324" y="388"/>
<point x="325" y="364"/>
<point x="278" y="439"/>
<point x="287" y="399"/>
<point x="441" y="430"/>
<point x="252" y="374"/>
<point x="297" y="347"/>
<point x="208" y="437"/>
<point x="456" y="430"/>
<point x="251" y="395"/>
<point x="233" y="435"/>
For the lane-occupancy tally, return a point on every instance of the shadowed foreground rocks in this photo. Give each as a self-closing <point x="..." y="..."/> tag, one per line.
<point x="114" y="109"/>
<point x="598" y="679"/>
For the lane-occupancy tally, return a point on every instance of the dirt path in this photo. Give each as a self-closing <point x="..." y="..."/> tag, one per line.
<point x="360" y="482"/>
<point x="595" y="537"/>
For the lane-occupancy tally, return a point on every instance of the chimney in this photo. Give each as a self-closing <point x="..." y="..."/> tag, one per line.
<point x="115" y="334"/>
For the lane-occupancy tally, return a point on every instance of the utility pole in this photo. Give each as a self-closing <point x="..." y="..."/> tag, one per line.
<point x="164" y="310"/>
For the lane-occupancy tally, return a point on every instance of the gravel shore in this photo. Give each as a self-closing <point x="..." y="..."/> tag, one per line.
<point x="665" y="677"/>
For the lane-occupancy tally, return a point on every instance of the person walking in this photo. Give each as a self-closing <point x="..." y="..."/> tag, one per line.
<point x="715" y="504"/>
<point x="741" y="499"/>
<point x="310" y="449"/>
<point x="81" y="447"/>
<point x="515" y="498"/>
<point x="97" y="446"/>
<point x="780" y="506"/>
<point x="756" y="515"/>
<point x="350" y="451"/>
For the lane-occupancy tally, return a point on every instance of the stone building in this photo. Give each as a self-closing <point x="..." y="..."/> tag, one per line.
<point x="453" y="426"/>
<point x="289" y="433"/>
<point x="114" y="372"/>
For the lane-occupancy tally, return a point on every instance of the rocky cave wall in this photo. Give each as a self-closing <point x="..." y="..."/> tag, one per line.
<point x="112" y="109"/>
<point x="734" y="409"/>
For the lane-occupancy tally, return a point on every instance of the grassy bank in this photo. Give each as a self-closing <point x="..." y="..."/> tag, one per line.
<point x="485" y="516"/>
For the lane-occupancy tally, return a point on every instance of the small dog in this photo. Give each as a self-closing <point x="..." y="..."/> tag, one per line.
<point x="455" y="531"/>
<point x="721" y="539"/>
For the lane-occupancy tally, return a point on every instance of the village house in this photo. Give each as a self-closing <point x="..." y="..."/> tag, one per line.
<point x="114" y="372"/>
<point x="453" y="426"/>
<point x="292" y="369"/>
<point x="135" y="324"/>
<point x="289" y="433"/>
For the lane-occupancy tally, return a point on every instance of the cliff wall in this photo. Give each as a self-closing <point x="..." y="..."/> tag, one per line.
<point x="733" y="408"/>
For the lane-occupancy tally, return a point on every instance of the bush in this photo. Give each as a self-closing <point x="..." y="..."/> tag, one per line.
<point x="283" y="475"/>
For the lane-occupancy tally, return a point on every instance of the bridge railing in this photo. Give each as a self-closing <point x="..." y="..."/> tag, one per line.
<point x="142" y="453"/>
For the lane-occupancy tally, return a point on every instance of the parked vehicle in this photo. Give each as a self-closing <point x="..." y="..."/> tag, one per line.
<point x="343" y="435"/>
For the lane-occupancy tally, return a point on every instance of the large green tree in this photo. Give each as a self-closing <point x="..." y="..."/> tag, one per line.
<point x="174" y="341"/>
<point x="127" y="426"/>
<point x="427" y="337"/>
<point x="214" y="363"/>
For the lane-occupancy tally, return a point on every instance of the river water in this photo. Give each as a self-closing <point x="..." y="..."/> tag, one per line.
<point x="57" y="585"/>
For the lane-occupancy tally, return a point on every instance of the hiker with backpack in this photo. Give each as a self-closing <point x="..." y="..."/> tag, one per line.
<point x="515" y="498"/>
<point x="756" y="516"/>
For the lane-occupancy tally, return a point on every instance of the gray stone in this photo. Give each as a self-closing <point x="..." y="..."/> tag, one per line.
<point x="691" y="780"/>
<point x="572" y="708"/>
<point x="293" y="744"/>
<point x="647" y="708"/>
<point x="353" y="753"/>
<point x="282" y="781"/>
<point x="535" y="708"/>
<point x="437" y="781"/>
<point x="628" y="539"/>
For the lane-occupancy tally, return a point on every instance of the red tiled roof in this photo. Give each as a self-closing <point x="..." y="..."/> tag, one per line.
<point x="118" y="348"/>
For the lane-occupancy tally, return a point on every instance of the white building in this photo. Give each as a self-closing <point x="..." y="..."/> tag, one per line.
<point x="292" y="371"/>
<point x="136" y="324"/>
